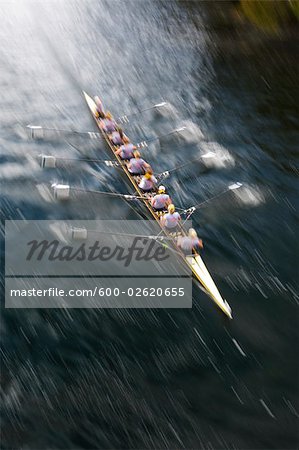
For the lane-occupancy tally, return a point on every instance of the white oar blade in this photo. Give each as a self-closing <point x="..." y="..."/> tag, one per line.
<point x="61" y="191"/>
<point x="178" y="130"/>
<point x="208" y="155"/>
<point x="160" y="105"/>
<point x="78" y="233"/>
<point x="164" y="174"/>
<point x="34" y="127"/>
<point x="234" y="186"/>
<point x="47" y="161"/>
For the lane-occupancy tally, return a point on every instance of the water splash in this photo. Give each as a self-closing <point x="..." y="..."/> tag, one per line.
<point x="223" y="157"/>
<point x="250" y="196"/>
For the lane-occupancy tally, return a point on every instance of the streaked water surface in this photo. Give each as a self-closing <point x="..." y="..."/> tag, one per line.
<point x="156" y="379"/>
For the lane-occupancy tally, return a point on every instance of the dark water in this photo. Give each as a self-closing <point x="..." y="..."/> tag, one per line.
<point x="156" y="379"/>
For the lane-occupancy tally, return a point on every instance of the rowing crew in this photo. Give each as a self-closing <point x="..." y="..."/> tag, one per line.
<point x="109" y="126"/>
<point x="187" y="243"/>
<point x="171" y="220"/>
<point x="138" y="166"/>
<point x="126" y="150"/>
<point x="162" y="202"/>
<point x="116" y="135"/>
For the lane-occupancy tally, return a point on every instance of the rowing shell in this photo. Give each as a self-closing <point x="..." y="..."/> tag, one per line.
<point x="195" y="262"/>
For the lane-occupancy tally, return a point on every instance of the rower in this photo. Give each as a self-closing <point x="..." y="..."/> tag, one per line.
<point x="171" y="219"/>
<point x="161" y="200"/>
<point x="100" y="113"/>
<point x="148" y="181"/>
<point x="107" y="124"/>
<point x="117" y="136"/>
<point x="125" y="151"/>
<point x="190" y="242"/>
<point x="137" y="165"/>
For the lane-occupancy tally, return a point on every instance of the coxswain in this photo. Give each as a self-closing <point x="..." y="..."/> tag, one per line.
<point x="161" y="200"/>
<point x="107" y="124"/>
<point x="100" y="113"/>
<point x="148" y="181"/>
<point x="190" y="242"/>
<point x="125" y="151"/>
<point x="117" y="137"/>
<point x="137" y="165"/>
<point x="171" y="219"/>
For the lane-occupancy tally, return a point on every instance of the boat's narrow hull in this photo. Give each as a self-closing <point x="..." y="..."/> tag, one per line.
<point x="202" y="274"/>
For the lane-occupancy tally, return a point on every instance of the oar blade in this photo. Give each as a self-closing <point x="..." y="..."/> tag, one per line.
<point x="160" y="105"/>
<point x="234" y="186"/>
<point x="208" y="155"/>
<point x="36" y="131"/>
<point x="179" y="130"/>
<point x="34" y="127"/>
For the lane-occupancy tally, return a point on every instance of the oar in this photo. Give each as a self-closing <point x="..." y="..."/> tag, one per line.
<point x="156" y="237"/>
<point x="168" y="172"/>
<point x="193" y="208"/>
<point x="94" y="135"/>
<point x="145" y="143"/>
<point x="62" y="192"/>
<point x="82" y="234"/>
<point x="49" y="161"/>
<point x="108" y="162"/>
<point x="125" y="117"/>
<point x="36" y="128"/>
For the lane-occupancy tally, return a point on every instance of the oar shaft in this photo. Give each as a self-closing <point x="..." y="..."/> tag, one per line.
<point x="148" y="141"/>
<point x="125" y="117"/>
<point x="95" y="135"/>
<point x="210" y="199"/>
<point x="229" y="189"/>
<point x="111" y="194"/>
<point x="130" y="235"/>
<point x="36" y="128"/>
<point x="178" y="130"/>
<point x="106" y="161"/>
<point x="167" y="172"/>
